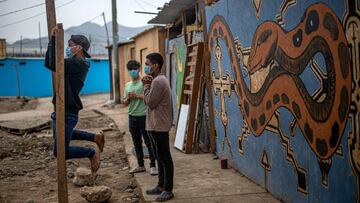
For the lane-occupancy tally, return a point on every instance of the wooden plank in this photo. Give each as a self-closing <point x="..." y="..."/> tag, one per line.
<point x="190" y="77"/>
<point x="188" y="92"/>
<point x="189" y="82"/>
<point x="183" y="19"/>
<point x="191" y="63"/>
<point x="192" y="45"/>
<point x="193" y="101"/>
<point x="60" y="114"/>
<point x="207" y="78"/>
<point x="191" y="54"/>
<point x="51" y="23"/>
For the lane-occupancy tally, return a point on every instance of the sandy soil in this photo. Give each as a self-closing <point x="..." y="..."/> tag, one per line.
<point x="29" y="172"/>
<point x="12" y="104"/>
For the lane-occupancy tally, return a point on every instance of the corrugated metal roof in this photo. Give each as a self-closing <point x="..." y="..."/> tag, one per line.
<point x="171" y="11"/>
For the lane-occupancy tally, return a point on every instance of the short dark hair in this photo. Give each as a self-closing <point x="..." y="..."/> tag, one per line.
<point x="132" y="63"/>
<point x="156" y="58"/>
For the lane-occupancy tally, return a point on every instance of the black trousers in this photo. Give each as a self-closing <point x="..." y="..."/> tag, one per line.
<point x="160" y="144"/>
<point x="137" y="130"/>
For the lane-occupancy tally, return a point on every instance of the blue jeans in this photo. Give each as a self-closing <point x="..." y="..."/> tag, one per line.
<point x="72" y="152"/>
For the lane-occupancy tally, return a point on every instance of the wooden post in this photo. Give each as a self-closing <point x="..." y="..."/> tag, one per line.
<point x="207" y="78"/>
<point x="51" y="23"/>
<point x="60" y="114"/>
<point x="115" y="54"/>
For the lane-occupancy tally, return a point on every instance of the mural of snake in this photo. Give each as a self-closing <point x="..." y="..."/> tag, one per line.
<point x="320" y="31"/>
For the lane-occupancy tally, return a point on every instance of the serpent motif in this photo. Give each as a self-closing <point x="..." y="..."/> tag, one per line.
<point x="319" y="31"/>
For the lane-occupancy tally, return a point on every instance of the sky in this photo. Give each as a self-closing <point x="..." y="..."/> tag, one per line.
<point x="74" y="13"/>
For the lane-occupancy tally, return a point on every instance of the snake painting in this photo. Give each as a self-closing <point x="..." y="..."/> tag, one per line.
<point x="319" y="31"/>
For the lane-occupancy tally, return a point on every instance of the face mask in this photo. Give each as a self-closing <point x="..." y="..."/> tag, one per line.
<point x="69" y="53"/>
<point x="134" y="74"/>
<point x="147" y="70"/>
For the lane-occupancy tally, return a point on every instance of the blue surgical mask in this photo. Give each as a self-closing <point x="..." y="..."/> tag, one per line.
<point x="134" y="74"/>
<point x="69" y="53"/>
<point x="147" y="70"/>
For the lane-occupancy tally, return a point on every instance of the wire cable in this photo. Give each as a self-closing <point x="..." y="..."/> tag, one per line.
<point x="39" y="14"/>
<point x="137" y="2"/>
<point x="149" y="4"/>
<point x="23" y="9"/>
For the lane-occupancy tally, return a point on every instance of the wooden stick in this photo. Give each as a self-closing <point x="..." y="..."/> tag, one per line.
<point x="60" y="114"/>
<point x="51" y="23"/>
<point x="207" y="59"/>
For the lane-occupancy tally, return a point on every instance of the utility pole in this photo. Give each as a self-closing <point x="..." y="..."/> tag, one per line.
<point x="20" y="45"/>
<point x="90" y="45"/>
<point x="115" y="54"/>
<point x="40" y="40"/>
<point x="109" y="55"/>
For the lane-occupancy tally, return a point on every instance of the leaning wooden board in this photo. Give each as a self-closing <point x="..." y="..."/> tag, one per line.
<point x="26" y="126"/>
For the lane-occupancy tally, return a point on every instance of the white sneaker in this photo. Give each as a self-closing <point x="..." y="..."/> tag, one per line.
<point x="138" y="169"/>
<point x="153" y="171"/>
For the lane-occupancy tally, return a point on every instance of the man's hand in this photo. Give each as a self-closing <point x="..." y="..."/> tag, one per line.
<point x="53" y="31"/>
<point x="146" y="80"/>
<point x="132" y="95"/>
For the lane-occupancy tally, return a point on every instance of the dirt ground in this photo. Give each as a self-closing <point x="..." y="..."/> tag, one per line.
<point x="29" y="172"/>
<point x="12" y="104"/>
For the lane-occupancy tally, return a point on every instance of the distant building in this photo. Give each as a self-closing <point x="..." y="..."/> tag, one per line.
<point x="2" y="48"/>
<point x="140" y="45"/>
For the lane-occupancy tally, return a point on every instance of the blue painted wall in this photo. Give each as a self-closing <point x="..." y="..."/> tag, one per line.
<point x="278" y="156"/>
<point x="35" y="79"/>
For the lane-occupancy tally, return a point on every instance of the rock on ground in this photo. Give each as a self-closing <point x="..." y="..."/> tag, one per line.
<point x="83" y="176"/>
<point x="96" y="194"/>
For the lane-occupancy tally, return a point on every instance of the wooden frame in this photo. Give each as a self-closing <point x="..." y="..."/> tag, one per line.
<point x="60" y="114"/>
<point x="58" y="90"/>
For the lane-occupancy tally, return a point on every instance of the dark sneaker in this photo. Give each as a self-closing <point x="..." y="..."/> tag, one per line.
<point x="165" y="196"/>
<point x="154" y="191"/>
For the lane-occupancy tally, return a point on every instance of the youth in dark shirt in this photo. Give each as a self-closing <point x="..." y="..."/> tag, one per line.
<point x="76" y="69"/>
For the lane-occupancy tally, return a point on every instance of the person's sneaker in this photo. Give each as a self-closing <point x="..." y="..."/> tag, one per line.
<point x="153" y="171"/>
<point x="95" y="161"/>
<point x="154" y="191"/>
<point x="137" y="170"/>
<point x="100" y="140"/>
<point x="165" y="196"/>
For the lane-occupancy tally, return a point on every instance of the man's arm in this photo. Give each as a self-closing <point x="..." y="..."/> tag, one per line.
<point x="50" y="55"/>
<point x="153" y="94"/>
<point x="140" y="96"/>
<point x="126" y="98"/>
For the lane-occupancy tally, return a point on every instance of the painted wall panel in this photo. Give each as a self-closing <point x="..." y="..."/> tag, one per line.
<point x="286" y="94"/>
<point x="176" y="53"/>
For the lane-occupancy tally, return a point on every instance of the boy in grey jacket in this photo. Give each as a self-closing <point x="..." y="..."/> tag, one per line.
<point x="157" y="97"/>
